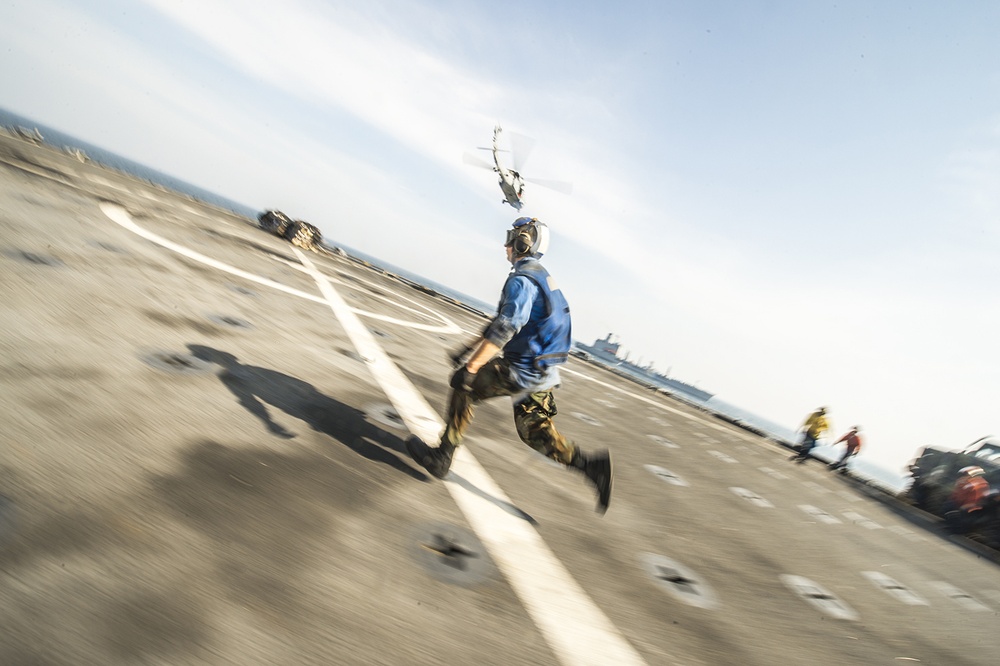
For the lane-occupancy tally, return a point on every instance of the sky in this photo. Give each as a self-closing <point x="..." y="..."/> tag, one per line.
<point x="789" y="204"/>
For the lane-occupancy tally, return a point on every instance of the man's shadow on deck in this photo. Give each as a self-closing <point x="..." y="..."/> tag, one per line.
<point x="256" y="387"/>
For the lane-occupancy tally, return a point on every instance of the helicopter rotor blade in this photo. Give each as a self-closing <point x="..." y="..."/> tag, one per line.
<point x="476" y="161"/>
<point x="557" y="185"/>
<point x="520" y="149"/>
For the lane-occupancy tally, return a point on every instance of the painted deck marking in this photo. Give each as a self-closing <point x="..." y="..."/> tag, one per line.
<point x="773" y="472"/>
<point x="119" y="215"/>
<point x="680" y="581"/>
<point x="820" y="597"/>
<point x="578" y="632"/>
<point x="666" y="475"/>
<point x="752" y="497"/>
<point x="724" y="457"/>
<point x="574" y="627"/>
<point x="894" y="588"/>
<point x="663" y="441"/>
<point x="666" y="408"/>
<point x="960" y="597"/>
<point x="819" y="514"/>
<point x="418" y="309"/>
<point x="858" y="519"/>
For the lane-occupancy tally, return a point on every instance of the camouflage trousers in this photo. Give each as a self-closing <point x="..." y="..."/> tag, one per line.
<point x="533" y="412"/>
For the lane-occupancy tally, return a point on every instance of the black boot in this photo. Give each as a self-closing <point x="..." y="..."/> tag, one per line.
<point x="437" y="461"/>
<point x="597" y="468"/>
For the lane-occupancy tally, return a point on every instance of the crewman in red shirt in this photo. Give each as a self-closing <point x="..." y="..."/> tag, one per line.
<point x="853" y="441"/>
<point x="964" y="506"/>
<point x="970" y="489"/>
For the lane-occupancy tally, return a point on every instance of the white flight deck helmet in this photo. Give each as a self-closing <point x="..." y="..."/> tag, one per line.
<point x="528" y="236"/>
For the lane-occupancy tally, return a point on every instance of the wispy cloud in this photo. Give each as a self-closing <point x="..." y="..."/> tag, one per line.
<point x="337" y="57"/>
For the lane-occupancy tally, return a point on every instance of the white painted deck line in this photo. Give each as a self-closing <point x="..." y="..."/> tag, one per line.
<point x="635" y="396"/>
<point x="119" y="215"/>
<point x="578" y="632"/>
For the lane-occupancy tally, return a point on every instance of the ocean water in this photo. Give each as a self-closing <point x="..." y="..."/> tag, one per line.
<point x="96" y="154"/>
<point x="893" y="480"/>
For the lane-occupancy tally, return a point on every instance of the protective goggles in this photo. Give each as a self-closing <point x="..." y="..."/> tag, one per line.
<point x="513" y="232"/>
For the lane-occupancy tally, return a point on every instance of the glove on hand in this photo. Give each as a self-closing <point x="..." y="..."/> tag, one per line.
<point x="460" y="356"/>
<point x="462" y="380"/>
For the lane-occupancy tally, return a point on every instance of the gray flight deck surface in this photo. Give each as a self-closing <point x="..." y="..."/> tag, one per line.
<point x="199" y="466"/>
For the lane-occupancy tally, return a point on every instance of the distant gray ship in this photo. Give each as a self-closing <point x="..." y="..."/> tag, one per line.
<point x="605" y="351"/>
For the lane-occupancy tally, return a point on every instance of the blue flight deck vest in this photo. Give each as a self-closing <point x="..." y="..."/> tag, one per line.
<point x="543" y="342"/>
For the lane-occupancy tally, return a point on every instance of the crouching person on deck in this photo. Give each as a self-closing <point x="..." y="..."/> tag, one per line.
<point x="964" y="507"/>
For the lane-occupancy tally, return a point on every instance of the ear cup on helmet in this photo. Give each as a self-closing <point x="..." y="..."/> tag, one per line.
<point x="523" y="242"/>
<point x="528" y="237"/>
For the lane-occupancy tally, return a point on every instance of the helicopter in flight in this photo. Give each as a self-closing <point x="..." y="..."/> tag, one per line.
<point x="510" y="179"/>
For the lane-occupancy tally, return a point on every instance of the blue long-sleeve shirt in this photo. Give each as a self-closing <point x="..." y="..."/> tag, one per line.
<point x="520" y="301"/>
